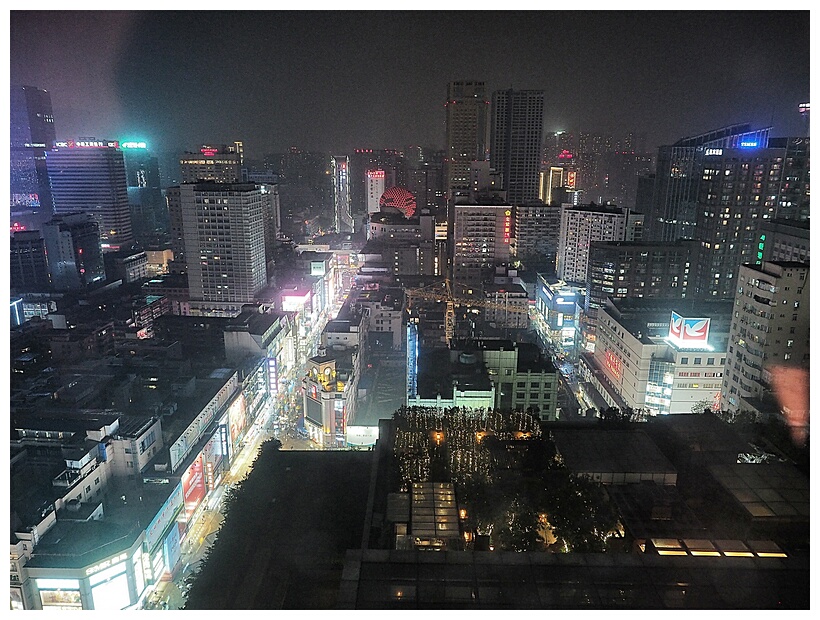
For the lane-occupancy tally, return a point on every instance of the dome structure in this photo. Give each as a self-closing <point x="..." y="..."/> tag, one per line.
<point x="399" y="198"/>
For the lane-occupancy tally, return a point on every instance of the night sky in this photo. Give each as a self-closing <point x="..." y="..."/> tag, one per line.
<point x="335" y="81"/>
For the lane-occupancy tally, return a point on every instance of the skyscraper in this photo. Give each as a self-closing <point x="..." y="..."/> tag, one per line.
<point x="515" y="141"/>
<point x="739" y="189"/>
<point x="224" y="243"/>
<point x="375" y="189"/>
<point x="32" y="134"/>
<point x="88" y="176"/>
<point x="466" y="133"/>
<point x="28" y="268"/>
<point x="673" y="213"/>
<point x="149" y="213"/>
<point x="341" y="193"/>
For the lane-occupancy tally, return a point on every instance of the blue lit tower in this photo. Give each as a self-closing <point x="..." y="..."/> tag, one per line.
<point x="88" y="176"/>
<point x="73" y="251"/>
<point x="32" y="133"/>
<point x="673" y="211"/>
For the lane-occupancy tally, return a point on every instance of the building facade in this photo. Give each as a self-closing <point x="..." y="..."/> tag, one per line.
<point x="515" y="141"/>
<point x="466" y="123"/>
<point x="32" y="134"/>
<point x="88" y="176"/>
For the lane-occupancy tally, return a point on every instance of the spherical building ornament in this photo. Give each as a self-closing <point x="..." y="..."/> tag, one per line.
<point x="399" y="198"/>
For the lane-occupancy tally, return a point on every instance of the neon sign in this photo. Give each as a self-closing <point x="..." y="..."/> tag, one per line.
<point x="714" y="152"/>
<point x="571" y="180"/>
<point x="133" y="145"/>
<point x="208" y="151"/>
<point x="748" y="145"/>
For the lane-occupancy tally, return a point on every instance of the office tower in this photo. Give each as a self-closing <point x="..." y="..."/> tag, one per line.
<point x="340" y="164"/>
<point x="224" y="242"/>
<point x="28" y="268"/>
<point x="88" y="176"/>
<point x="739" y="189"/>
<point x="557" y="146"/>
<point x="73" y="251"/>
<point x="149" y="213"/>
<point x="306" y="188"/>
<point x="549" y="181"/>
<point x="537" y="228"/>
<point x="32" y="134"/>
<point x="466" y="121"/>
<point x="580" y="226"/>
<point x="674" y="210"/>
<point x="483" y="233"/>
<point x="375" y="189"/>
<point x="515" y="141"/>
<point x="485" y="182"/>
<point x="770" y="330"/>
<point x="222" y="164"/>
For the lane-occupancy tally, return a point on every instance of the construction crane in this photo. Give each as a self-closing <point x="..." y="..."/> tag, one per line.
<point x="443" y="292"/>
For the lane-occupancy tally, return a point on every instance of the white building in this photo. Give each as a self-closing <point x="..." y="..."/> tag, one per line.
<point x="223" y="233"/>
<point x="375" y="189"/>
<point x="770" y="328"/>
<point x="662" y="356"/>
<point x="582" y="225"/>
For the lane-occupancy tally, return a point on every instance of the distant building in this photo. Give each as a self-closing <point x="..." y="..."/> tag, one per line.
<point x="341" y="192"/>
<point x="75" y="259"/>
<point x="580" y="226"/>
<point x="515" y="141"/>
<point x="537" y="230"/>
<point x="88" y="176"/>
<point x="32" y="134"/>
<point x="375" y="190"/>
<point x="28" y="267"/>
<point x="222" y="164"/>
<point x="149" y="213"/>
<point x="466" y="122"/>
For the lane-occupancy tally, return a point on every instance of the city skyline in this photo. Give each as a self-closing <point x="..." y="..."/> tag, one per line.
<point x="338" y="80"/>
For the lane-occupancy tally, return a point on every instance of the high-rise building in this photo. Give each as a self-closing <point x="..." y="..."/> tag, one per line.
<point x="88" y="176"/>
<point x="537" y="229"/>
<point x="770" y="329"/>
<point x="28" y="268"/>
<point x="375" y="189"/>
<point x="515" y="141"/>
<point x="580" y="226"/>
<point x="467" y="108"/>
<point x="149" y="213"/>
<point x="483" y="234"/>
<point x="224" y="244"/>
<point x="32" y="134"/>
<point x="341" y="193"/>
<point x="739" y="189"/>
<point x="73" y="251"/>
<point x="222" y="164"/>
<point x="674" y="209"/>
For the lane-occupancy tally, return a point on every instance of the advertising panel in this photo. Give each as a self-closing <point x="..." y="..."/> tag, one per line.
<point x="688" y="331"/>
<point x="168" y="513"/>
<point x="193" y="487"/>
<point x="61" y="599"/>
<point x="112" y="594"/>
<point x="362" y="436"/>
<point x="212" y="456"/>
<point x="171" y="550"/>
<point x="237" y="419"/>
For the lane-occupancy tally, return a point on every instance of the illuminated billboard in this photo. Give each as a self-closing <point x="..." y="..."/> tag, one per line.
<point x="688" y="332"/>
<point x="237" y="419"/>
<point x="295" y="302"/>
<point x="193" y="487"/>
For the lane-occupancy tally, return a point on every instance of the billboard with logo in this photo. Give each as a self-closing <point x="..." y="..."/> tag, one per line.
<point x="689" y="332"/>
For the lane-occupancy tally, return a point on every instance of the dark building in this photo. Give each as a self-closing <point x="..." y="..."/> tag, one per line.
<point x="395" y="169"/>
<point x="784" y="240"/>
<point x="28" y="268"/>
<point x="75" y="259"/>
<point x="149" y="213"/>
<point x="32" y="134"/>
<point x="674" y="209"/>
<point x="466" y="123"/>
<point x="306" y="188"/>
<point x="739" y="189"/>
<point x="515" y="141"/>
